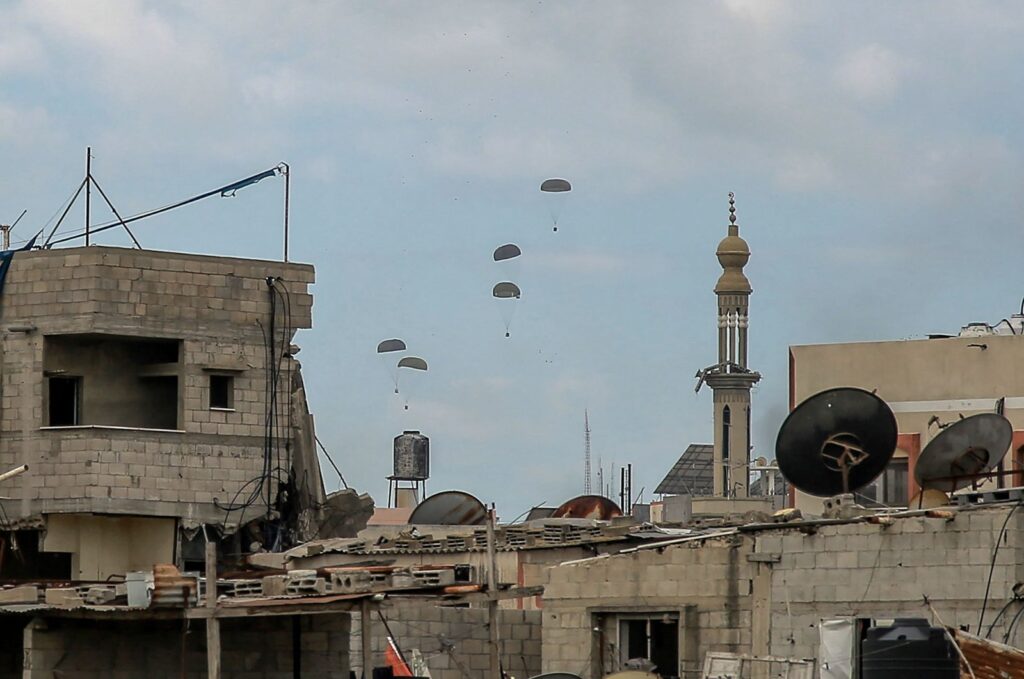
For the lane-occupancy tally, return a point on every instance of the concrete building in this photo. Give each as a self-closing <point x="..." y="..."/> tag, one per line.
<point x="152" y="394"/>
<point x="927" y="383"/>
<point x="763" y="591"/>
<point x="730" y="378"/>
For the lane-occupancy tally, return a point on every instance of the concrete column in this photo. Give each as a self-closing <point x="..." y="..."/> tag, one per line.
<point x="41" y="651"/>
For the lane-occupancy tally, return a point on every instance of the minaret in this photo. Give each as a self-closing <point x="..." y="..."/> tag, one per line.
<point x="731" y="379"/>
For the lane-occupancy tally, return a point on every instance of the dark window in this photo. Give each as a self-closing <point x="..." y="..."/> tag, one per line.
<point x="65" y="397"/>
<point x="655" y="639"/>
<point x="222" y="389"/>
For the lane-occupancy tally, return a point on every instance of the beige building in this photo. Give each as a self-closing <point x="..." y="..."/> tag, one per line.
<point x="156" y="400"/>
<point x="921" y="380"/>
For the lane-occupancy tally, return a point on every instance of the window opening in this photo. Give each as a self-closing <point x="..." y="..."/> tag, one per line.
<point x="654" y="639"/>
<point x="65" y="399"/>
<point x="222" y="388"/>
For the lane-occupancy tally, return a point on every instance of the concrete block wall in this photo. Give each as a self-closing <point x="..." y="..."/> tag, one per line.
<point x="432" y="629"/>
<point x="219" y="308"/>
<point x="252" y="648"/>
<point x="870" y="571"/>
<point x="765" y="592"/>
<point x="707" y="583"/>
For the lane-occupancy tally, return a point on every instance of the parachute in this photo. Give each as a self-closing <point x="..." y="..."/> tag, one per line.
<point x="386" y="347"/>
<point x="411" y="363"/>
<point x="555" y="186"/>
<point x="507" y="290"/>
<point x="511" y="292"/>
<point x="506" y="252"/>
<point x="558" y="190"/>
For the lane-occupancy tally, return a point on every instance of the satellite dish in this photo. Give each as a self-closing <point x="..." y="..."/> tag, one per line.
<point x="588" y="507"/>
<point x="836" y="441"/>
<point x="963" y="451"/>
<point x="449" y="508"/>
<point x="761" y="462"/>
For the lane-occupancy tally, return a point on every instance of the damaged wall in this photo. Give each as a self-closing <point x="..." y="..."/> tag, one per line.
<point x="252" y="648"/>
<point x="433" y="630"/>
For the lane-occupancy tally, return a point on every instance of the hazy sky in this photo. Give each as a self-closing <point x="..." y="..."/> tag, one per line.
<point x="875" y="150"/>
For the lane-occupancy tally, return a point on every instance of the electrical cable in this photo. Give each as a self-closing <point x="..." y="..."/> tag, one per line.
<point x="999" y="615"/>
<point x="331" y="460"/>
<point x="1013" y="622"/>
<point x="992" y="566"/>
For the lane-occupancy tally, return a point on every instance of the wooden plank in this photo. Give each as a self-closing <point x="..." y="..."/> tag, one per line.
<point x="212" y="623"/>
<point x="366" y="637"/>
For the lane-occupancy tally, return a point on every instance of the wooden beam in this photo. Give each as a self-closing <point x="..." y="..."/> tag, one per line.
<point x="366" y="638"/>
<point x="492" y="602"/>
<point x="212" y="623"/>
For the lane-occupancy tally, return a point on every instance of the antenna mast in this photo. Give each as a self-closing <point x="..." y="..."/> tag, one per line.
<point x="586" y="453"/>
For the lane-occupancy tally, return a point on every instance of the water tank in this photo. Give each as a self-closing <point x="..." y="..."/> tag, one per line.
<point x="910" y="647"/>
<point x="412" y="457"/>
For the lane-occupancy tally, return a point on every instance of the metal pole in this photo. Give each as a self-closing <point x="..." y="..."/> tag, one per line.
<point x="492" y="601"/>
<point x="88" y="189"/>
<point x="212" y="623"/>
<point x="286" y="170"/>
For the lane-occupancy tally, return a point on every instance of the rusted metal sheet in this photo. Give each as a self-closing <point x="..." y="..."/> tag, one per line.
<point x="989" y="659"/>
<point x="588" y="507"/>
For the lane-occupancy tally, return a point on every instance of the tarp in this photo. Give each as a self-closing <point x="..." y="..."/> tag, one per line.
<point x="7" y="255"/>
<point x="835" y="656"/>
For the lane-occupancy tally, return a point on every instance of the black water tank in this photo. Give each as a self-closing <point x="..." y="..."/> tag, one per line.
<point x="909" y="648"/>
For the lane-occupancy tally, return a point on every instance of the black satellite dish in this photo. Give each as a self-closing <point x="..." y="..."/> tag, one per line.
<point x="963" y="451"/>
<point x="836" y="442"/>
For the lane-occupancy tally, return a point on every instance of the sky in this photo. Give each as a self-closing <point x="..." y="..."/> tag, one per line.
<point x="875" y="152"/>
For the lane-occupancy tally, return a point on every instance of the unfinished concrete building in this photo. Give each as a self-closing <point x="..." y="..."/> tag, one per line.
<point x="152" y="395"/>
<point x="763" y="591"/>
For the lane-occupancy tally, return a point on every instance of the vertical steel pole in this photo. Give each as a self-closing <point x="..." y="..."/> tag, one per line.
<point x="88" y="189"/>
<point x="212" y="623"/>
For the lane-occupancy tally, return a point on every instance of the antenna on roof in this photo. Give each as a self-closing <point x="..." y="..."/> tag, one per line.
<point x="586" y="452"/>
<point x="87" y="183"/>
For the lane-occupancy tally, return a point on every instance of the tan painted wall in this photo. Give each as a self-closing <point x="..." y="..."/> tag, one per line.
<point x="102" y="546"/>
<point x="918" y="378"/>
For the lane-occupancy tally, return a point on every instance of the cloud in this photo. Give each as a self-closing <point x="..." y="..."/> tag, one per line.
<point x="582" y="262"/>
<point x="871" y="73"/>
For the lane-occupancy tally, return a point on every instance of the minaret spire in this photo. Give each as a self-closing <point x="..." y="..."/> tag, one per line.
<point x="731" y="378"/>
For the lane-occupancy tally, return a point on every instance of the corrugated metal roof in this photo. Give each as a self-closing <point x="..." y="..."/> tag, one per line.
<point x="989" y="659"/>
<point x="691" y="474"/>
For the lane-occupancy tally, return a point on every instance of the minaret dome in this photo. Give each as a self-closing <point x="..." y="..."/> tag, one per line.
<point x="733" y="254"/>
